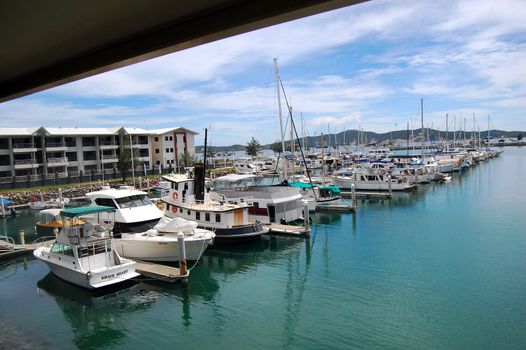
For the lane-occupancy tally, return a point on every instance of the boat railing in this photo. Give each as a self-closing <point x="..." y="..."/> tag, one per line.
<point x="7" y="244"/>
<point x="44" y="240"/>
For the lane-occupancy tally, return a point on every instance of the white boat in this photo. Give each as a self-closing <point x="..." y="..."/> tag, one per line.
<point x="365" y="179"/>
<point x="229" y="221"/>
<point x="37" y="205"/>
<point x="84" y="254"/>
<point x="269" y="204"/>
<point x="161" y="243"/>
<point x="318" y="196"/>
<point x="135" y="212"/>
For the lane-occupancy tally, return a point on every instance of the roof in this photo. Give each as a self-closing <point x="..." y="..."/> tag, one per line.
<point x="177" y="178"/>
<point x="60" y="131"/>
<point x="18" y="131"/>
<point x="51" y="211"/>
<point x="235" y="177"/>
<point x="114" y="193"/>
<point x="73" y="212"/>
<point x="80" y="131"/>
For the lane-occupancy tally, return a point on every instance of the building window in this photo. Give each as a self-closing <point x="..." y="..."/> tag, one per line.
<point x="156" y="139"/>
<point x="218" y="217"/>
<point x="171" y="150"/>
<point x="171" y="138"/>
<point x="156" y="150"/>
<point x="158" y="162"/>
<point x="166" y="138"/>
<point x="167" y="150"/>
<point x="207" y="216"/>
<point x="188" y="212"/>
<point x="197" y="215"/>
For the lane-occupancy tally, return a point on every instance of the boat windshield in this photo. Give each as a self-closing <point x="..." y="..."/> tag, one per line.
<point x="134" y="201"/>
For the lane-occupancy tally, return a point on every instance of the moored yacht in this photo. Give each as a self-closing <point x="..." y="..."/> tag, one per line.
<point x="135" y="212"/>
<point x="365" y="179"/>
<point x="84" y="253"/>
<point x="162" y="244"/>
<point x="269" y="204"/>
<point x="189" y="199"/>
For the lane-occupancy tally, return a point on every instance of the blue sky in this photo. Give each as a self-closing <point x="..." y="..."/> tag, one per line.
<point x="366" y="65"/>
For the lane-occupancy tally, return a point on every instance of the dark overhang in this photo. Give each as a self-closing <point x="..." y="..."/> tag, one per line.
<point x="48" y="43"/>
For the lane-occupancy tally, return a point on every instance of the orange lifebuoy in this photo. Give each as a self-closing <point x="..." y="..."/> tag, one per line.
<point x="174" y="209"/>
<point x="175" y="195"/>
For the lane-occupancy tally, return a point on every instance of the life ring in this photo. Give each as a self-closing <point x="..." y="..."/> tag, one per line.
<point x="174" y="209"/>
<point x="175" y="195"/>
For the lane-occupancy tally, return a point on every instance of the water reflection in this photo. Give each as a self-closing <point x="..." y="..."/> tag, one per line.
<point x="239" y="258"/>
<point x="94" y="313"/>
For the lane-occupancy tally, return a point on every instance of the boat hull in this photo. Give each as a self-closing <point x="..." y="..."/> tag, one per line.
<point x="71" y="272"/>
<point x="166" y="249"/>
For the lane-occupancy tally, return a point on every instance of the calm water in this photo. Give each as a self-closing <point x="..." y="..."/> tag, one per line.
<point x="443" y="267"/>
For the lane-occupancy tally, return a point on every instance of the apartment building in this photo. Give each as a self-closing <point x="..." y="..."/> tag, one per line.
<point x="69" y="151"/>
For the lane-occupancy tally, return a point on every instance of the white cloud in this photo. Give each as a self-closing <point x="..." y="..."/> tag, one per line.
<point x="472" y="54"/>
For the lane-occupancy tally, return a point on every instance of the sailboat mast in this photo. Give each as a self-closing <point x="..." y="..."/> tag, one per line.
<point x="422" y="119"/>
<point x="285" y="175"/>
<point x="447" y="135"/>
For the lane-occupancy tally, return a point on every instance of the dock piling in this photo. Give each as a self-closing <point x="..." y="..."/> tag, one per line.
<point x="306" y="218"/>
<point x="22" y="237"/>
<point x="182" y="257"/>
<point x="353" y="195"/>
<point x="390" y="188"/>
<point x="2" y="206"/>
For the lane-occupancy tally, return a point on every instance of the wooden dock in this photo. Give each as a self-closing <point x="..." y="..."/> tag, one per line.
<point x="287" y="229"/>
<point x="336" y="207"/>
<point x="160" y="272"/>
<point x="8" y="250"/>
<point x="364" y="194"/>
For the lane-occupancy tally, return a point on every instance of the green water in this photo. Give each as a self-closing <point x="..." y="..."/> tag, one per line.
<point x="440" y="268"/>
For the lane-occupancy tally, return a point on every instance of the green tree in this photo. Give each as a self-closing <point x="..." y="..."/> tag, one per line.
<point x="125" y="161"/>
<point x="276" y="147"/>
<point x="186" y="159"/>
<point x="253" y="147"/>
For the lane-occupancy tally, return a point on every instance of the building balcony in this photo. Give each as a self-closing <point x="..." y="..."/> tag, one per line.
<point x="24" y="147"/>
<point x="52" y="162"/>
<point x="25" y="164"/>
<point x="110" y="159"/>
<point x="56" y="146"/>
<point x="108" y="145"/>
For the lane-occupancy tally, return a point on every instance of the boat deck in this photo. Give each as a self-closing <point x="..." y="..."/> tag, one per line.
<point x="160" y="272"/>
<point x="287" y="229"/>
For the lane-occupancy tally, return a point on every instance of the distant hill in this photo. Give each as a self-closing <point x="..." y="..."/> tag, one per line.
<point x="350" y="136"/>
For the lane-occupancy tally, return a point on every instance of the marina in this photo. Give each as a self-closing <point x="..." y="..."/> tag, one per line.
<point x="406" y="271"/>
<point x="263" y="175"/>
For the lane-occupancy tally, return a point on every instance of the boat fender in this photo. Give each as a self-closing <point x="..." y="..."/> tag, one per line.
<point x="175" y="195"/>
<point x="174" y="209"/>
<point x="88" y="275"/>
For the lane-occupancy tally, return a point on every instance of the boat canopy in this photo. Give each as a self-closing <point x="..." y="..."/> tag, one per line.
<point x="73" y="212"/>
<point x="300" y="184"/>
<point x="332" y="188"/>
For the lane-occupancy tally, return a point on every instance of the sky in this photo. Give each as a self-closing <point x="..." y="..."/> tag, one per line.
<point x="365" y="66"/>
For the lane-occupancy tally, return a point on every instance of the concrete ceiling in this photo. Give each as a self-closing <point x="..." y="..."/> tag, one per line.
<point x="44" y="44"/>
